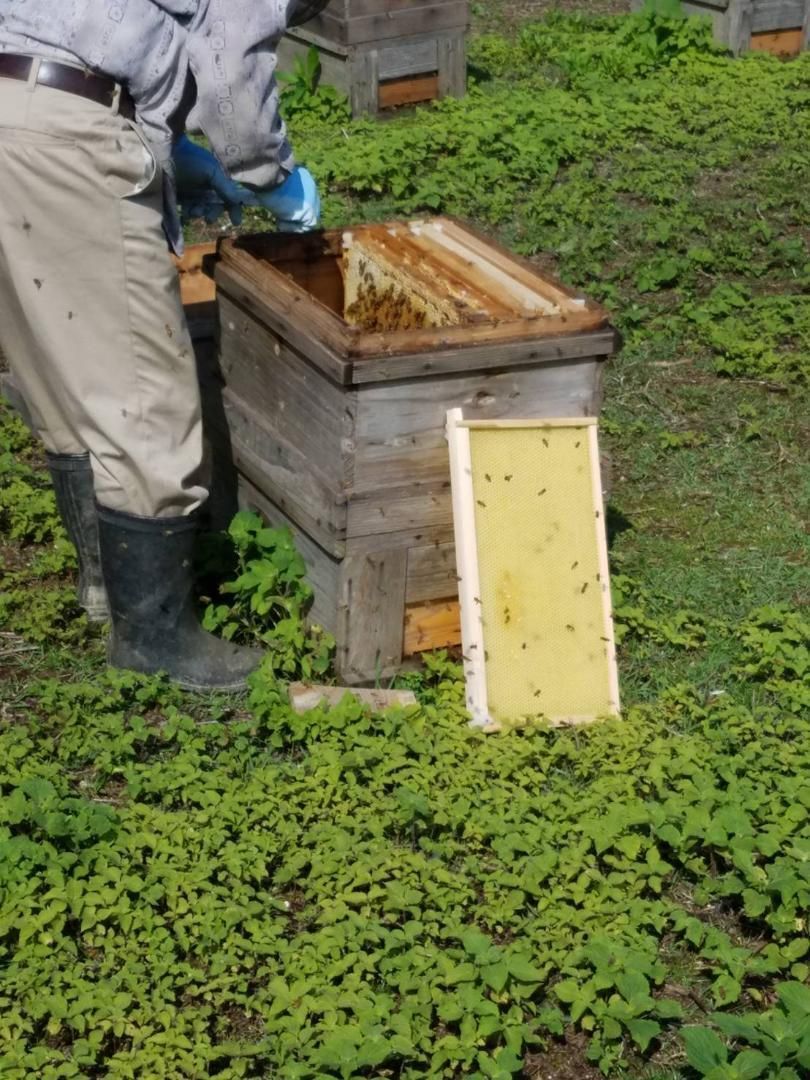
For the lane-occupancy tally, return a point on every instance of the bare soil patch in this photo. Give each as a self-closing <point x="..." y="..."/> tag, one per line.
<point x="504" y="15"/>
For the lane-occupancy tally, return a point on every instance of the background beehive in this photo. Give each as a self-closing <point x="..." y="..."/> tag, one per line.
<point x="780" y="27"/>
<point x="385" y="53"/>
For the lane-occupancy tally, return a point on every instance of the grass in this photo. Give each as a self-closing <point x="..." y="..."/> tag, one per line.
<point x="710" y="501"/>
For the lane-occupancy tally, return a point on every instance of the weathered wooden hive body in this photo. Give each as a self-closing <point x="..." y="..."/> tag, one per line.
<point x="780" y="27"/>
<point x="341" y="353"/>
<point x="384" y="53"/>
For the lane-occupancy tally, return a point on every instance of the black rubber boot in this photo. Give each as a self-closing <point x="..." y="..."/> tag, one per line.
<point x="72" y="479"/>
<point x="147" y="567"/>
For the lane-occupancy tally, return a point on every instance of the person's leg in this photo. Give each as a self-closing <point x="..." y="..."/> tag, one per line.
<point x="68" y="460"/>
<point x="92" y="321"/>
<point x="72" y="478"/>
<point x="95" y="332"/>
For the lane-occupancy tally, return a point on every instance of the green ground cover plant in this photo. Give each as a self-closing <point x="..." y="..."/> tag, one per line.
<point x="220" y="887"/>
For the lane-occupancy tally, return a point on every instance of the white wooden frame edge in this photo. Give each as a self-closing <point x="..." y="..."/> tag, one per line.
<point x="469" y="590"/>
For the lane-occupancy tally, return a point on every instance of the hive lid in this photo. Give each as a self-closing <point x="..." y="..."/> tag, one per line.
<point x="405" y="289"/>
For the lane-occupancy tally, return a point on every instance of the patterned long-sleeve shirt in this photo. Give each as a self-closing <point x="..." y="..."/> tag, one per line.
<point x="153" y="47"/>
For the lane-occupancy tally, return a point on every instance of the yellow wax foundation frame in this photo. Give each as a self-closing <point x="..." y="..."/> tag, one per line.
<point x="531" y="551"/>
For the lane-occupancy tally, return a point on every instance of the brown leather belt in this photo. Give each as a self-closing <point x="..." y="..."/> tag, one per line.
<point x="98" y="88"/>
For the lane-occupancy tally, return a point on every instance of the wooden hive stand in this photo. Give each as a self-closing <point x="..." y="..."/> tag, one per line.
<point x="386" y="53"/>
<point x="341" y="354"/>
<point x="780" y="27"/>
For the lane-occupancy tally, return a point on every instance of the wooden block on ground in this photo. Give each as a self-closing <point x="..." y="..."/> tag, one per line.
<point x="307" y="696"/>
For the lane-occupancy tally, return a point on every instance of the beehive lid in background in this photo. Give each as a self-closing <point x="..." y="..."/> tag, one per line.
<point x="403" y="289"/>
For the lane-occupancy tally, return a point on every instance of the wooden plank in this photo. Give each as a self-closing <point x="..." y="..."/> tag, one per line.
<point x="195" y="285"/>
<point x="292" y="397"/>
<point x="323" y="570"/>
<point x="286" y="476"/>
<point x="409" y="58"/>
<point x="778" y="43"/>
<point x="486" y="357"/>
<point x="307" y="696"/>
<point x="364" y="82"/>
<point x="407" y="352"/>
<point x="452" y="63"/>
<point x="275" y="247"/>
<point x="468" y="579"/>
<point x="370" y="609"/>
<point x="197" y="290"/>
<point x="407" y="90"/>
<point x="401" y="56"/>
<point x="432" y="625"/>
<point x="771" y="15"/>
<point x="306" y="36"/>
<point x="276" y="279"/>
<point x="608" y="634"/>
<point x="251" y="466"/>
<point x="399" y="429"/>
<point x="508" y="262"/>
<point x="395" y="509"/>
<point x="431" y="572"/>
<point x="738" y="26"/>
<point x="505" y="289"/>
<point x="409" y="20"/>
<point x="505" y="425"/>
<point x="422" y="536"/>
<point x="287" y="310"/>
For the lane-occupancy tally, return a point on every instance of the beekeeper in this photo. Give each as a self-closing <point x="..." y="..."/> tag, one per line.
<point x="94" y="100"/>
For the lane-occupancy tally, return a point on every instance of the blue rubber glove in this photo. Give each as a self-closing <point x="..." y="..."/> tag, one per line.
<point x="204" y="189"/>
<point x="295" y="203"/>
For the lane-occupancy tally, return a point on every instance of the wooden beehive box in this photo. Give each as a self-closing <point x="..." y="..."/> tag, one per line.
<point x="384" y="53"/>
<point x="341" y="353"/>
<point x="780" y="27"/>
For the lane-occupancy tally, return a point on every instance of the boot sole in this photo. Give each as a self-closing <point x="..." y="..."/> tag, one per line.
<point x="238" y="686"/>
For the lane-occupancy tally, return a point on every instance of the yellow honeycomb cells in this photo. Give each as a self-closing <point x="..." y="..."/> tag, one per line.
<point x="546" y="629"/>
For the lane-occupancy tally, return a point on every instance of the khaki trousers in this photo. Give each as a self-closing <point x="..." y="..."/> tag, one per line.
<point x="90" y="314"/>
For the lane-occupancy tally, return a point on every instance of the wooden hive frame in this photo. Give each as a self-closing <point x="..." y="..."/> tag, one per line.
<point x="386" y="53"/>
<point x="337" y="429"/>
